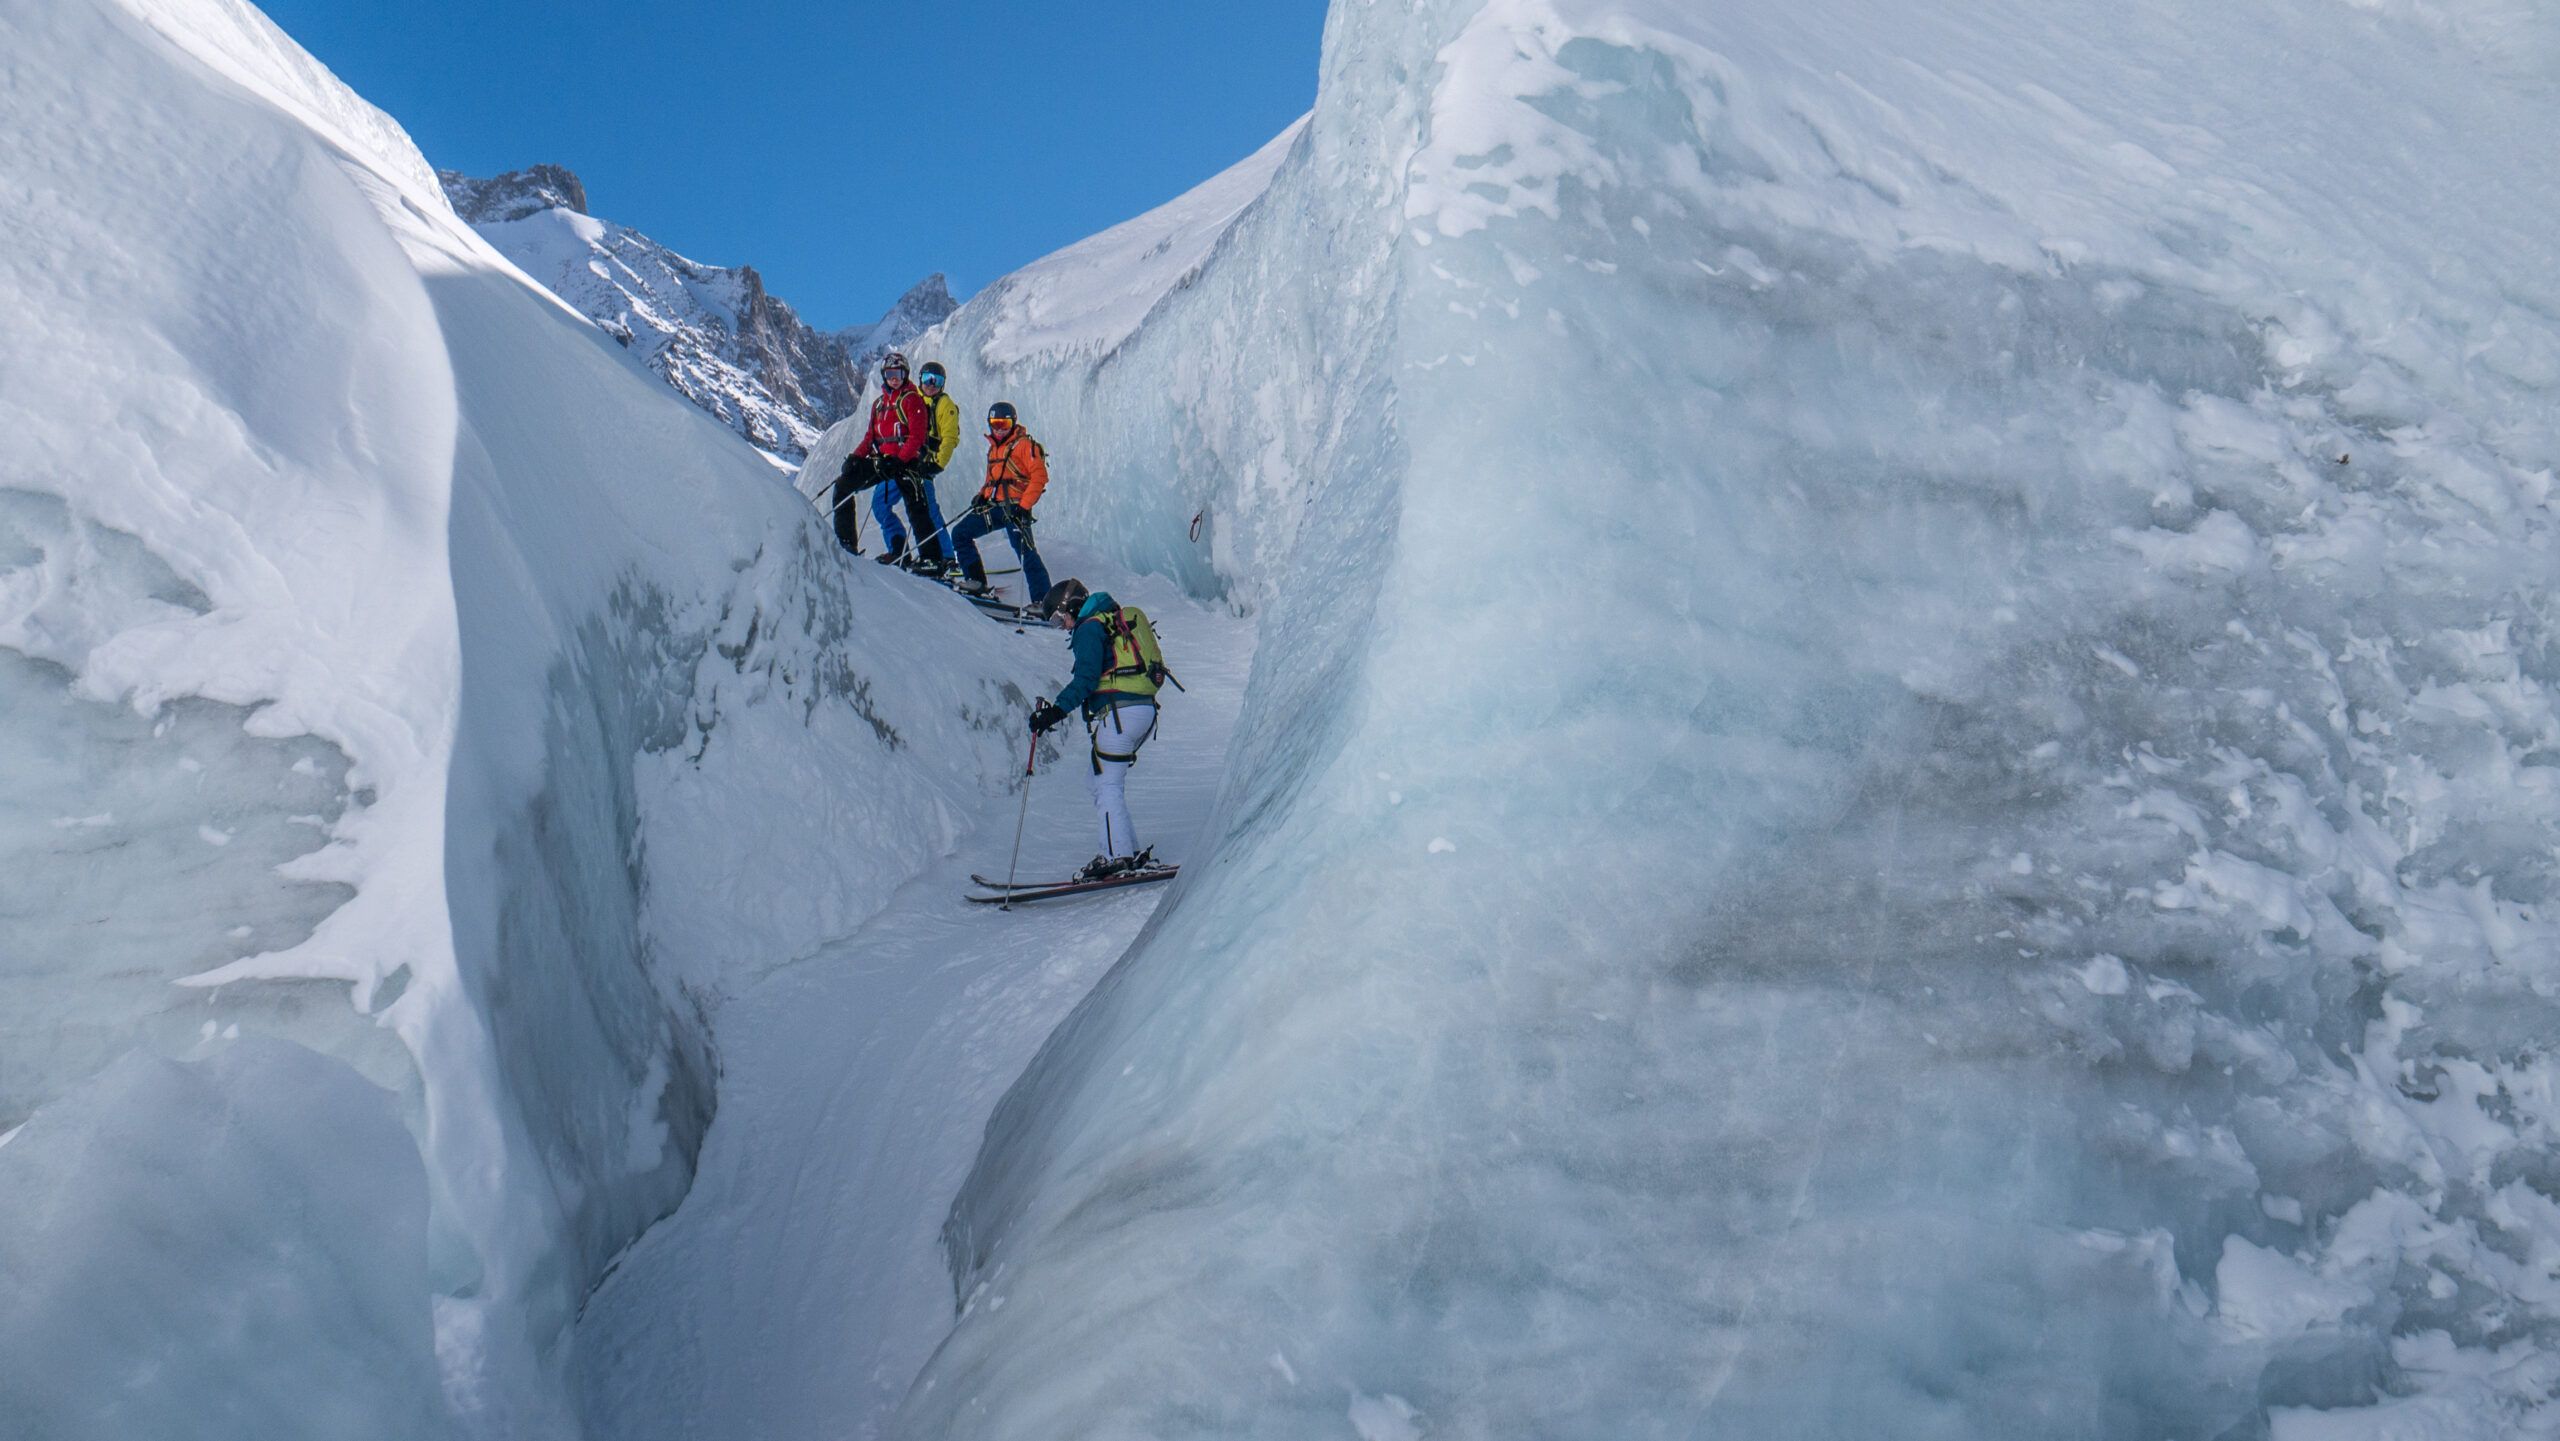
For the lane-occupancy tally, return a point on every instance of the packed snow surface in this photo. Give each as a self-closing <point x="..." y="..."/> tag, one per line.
<point x="1900" y="778"/>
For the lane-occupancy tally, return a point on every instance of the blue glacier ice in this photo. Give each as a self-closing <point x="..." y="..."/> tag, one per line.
<point x="1899" y="775"/>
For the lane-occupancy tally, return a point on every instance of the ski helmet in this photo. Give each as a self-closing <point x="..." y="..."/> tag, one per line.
<point x="895" y="360"/>
<point x="1064" y="598"/>
<point x="931" y="370"/>
<point x="1001" y="410"/>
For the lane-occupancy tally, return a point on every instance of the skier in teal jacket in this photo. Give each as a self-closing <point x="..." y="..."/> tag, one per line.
<point x="1116" y="693"/>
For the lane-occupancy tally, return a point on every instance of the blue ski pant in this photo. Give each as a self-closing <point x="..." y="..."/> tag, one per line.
<point x="885" y="502"/>
<point x="964" y="538"/>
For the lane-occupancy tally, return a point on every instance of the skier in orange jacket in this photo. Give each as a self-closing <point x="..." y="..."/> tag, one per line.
<point x="1017" y="471"/>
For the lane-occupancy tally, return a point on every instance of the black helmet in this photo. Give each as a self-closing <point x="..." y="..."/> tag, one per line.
<point x="931" y="370"/>
<point x="1064" y="598"/>
<point x="1001" y="410"/>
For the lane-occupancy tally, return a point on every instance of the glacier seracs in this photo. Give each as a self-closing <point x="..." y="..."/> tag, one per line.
<point x="1899" y="777"/>
<point x="419" y="723"/>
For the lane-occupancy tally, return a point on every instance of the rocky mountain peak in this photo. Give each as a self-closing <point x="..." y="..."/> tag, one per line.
<point x="713" y="333"/>
<point x="926" y="304"/>
<point x="514" y="195"/>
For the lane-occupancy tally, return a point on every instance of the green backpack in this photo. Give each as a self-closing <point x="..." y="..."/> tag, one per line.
<point x="1137" y="662"/>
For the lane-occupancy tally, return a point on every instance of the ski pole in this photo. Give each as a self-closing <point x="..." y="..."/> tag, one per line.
<point x="1030" y="763"/>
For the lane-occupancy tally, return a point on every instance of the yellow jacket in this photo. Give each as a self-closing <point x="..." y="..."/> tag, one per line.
<point x="946" y="430"/>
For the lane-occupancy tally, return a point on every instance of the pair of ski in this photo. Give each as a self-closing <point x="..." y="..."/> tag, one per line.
<point x="990" y="605"/>
<point x="987" y="601"/>
<point x="1007" y="893"/>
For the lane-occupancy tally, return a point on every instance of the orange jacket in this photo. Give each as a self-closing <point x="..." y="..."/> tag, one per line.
<point x="1017" y="469"/>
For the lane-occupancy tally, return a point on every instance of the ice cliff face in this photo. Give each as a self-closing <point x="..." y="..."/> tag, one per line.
<point x="418" y="722"/>
<point x="711" y="332"/>
<point x="1900" y="773"/>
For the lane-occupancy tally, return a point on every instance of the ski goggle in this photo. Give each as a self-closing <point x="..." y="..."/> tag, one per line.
<point x="928" y="378"/>
<point x="895" y="370"/>
<point x="999" y="422"/>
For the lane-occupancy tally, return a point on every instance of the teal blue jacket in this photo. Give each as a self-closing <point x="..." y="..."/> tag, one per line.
<point x="1092" y="642"/>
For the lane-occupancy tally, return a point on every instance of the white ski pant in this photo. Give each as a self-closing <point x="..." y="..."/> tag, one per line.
<point x="1117" y="734"/>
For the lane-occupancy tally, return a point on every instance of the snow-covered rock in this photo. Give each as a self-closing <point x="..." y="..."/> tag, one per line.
<point x="712" y="332"/>
<point x="925" y="305"/>
<point x="418" y="722"/>
<point x="514" y="195"/>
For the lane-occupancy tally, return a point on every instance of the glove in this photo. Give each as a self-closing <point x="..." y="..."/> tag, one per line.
<point x="861" y="471"/>
<point x="927" y="469"/>
<point x="1044" y="716"/>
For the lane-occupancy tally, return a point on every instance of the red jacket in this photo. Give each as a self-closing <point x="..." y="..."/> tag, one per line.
<point x="899" y="422"/>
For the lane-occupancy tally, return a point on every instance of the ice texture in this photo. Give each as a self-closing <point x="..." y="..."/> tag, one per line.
<point x="1131" y="470"/>
<point x="231" y="1248"/>
<point x="391" y="670"/>
<point x="1899" y="779"/>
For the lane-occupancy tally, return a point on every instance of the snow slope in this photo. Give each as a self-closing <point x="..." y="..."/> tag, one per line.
<point x="1899" y="777"/>
<point x="420" y="723"/>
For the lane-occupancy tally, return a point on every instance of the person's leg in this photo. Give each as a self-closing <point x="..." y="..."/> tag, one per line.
<point x="847" y="514"/>
<point x="1111" y="808"/>
<point x="928" y="545"/>
<point x="964" y="539"/>
<point x="1034" y="574"/>
<point x="893" y="537"/>
<point x="1117" y="735"/>
<point x="933" y="510"/>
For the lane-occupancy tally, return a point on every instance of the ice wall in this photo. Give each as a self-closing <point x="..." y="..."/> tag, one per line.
<point x="404" y="694"/>
<point x="1899" y="774"/>
<point x="1165" y="455"/>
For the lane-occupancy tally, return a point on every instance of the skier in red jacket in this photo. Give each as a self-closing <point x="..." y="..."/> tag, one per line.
<point x="892" y="450"/>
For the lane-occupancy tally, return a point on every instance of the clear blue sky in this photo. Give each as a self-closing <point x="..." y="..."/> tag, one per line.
<point x="843" y="149"/>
